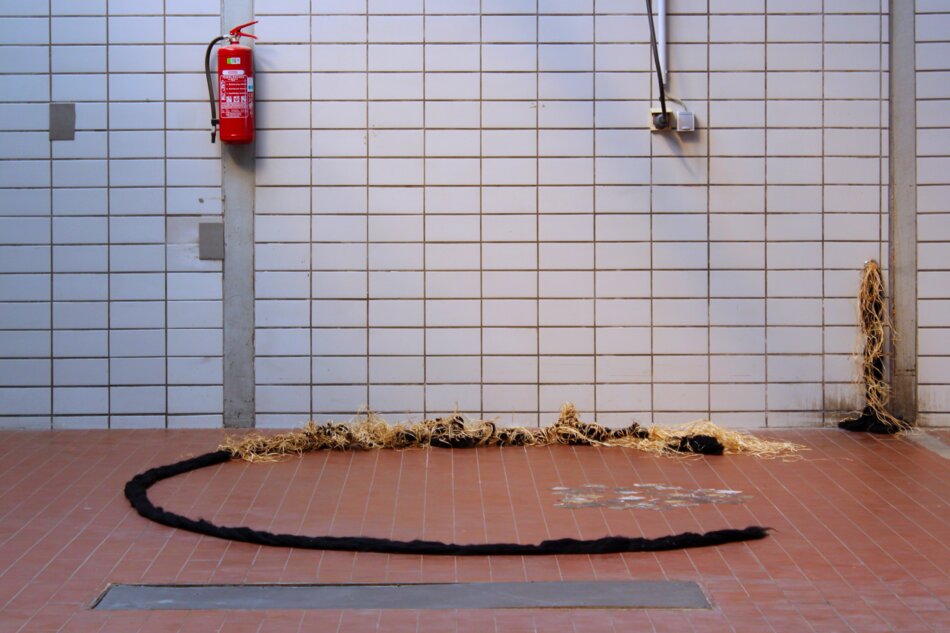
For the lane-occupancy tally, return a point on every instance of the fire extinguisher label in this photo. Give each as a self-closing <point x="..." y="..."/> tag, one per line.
<point x="233" y="92"/>
<point x="250" y="84"/>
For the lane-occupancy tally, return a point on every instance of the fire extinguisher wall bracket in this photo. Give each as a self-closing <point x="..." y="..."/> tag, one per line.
<point x="232" y="113"/>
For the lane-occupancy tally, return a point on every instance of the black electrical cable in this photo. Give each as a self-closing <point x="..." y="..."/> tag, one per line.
<point x="661" y="121"/>
<point x="214" y="113"/>
<point x="136" y="491"/>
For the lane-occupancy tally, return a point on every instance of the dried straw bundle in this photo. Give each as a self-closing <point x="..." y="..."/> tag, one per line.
<point x="874" y="321"/>
<point x="683" y="438"/>
<point x="370" y="431"/>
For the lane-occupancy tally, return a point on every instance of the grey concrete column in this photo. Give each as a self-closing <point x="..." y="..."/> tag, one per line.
<point x="237" y="184"/>
<point x="902" y="274"/>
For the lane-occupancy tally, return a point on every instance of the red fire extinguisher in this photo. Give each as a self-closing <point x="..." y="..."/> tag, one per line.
<point x="235" y="88"/>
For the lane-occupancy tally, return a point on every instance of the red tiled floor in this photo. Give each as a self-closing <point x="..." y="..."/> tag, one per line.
<point x="860" y="541"/>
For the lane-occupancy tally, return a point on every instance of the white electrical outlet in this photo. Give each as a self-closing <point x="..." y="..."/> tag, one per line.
<point x="685" y="122"/>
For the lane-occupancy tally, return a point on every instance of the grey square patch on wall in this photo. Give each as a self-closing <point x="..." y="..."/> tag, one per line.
<point x="211" y="240"/>
<point x="62" y="121"/>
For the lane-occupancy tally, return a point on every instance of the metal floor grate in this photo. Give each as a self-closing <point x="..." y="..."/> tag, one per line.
<point x="640" y="594"/>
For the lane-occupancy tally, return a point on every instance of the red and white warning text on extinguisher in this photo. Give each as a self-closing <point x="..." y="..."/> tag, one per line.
<point x="235" y="103"/>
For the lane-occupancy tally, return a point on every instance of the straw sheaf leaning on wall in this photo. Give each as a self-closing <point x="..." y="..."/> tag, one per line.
<point x="874" y="321"/>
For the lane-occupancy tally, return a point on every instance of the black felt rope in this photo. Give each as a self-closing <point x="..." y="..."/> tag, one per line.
<point x="136" y="491"/>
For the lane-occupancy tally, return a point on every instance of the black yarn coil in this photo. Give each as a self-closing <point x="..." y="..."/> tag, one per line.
<point x="136" y="491"/>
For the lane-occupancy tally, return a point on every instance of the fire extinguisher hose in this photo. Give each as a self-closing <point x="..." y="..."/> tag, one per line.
<point x="214" y="112"/>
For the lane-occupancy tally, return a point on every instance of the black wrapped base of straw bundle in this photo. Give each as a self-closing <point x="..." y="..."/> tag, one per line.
<point x="870" y="422"/>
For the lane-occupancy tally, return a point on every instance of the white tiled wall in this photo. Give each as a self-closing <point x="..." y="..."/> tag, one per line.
<point x="459" y="206"/>
<point x="933" y="219"/>
<point x="107" y="316"/>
